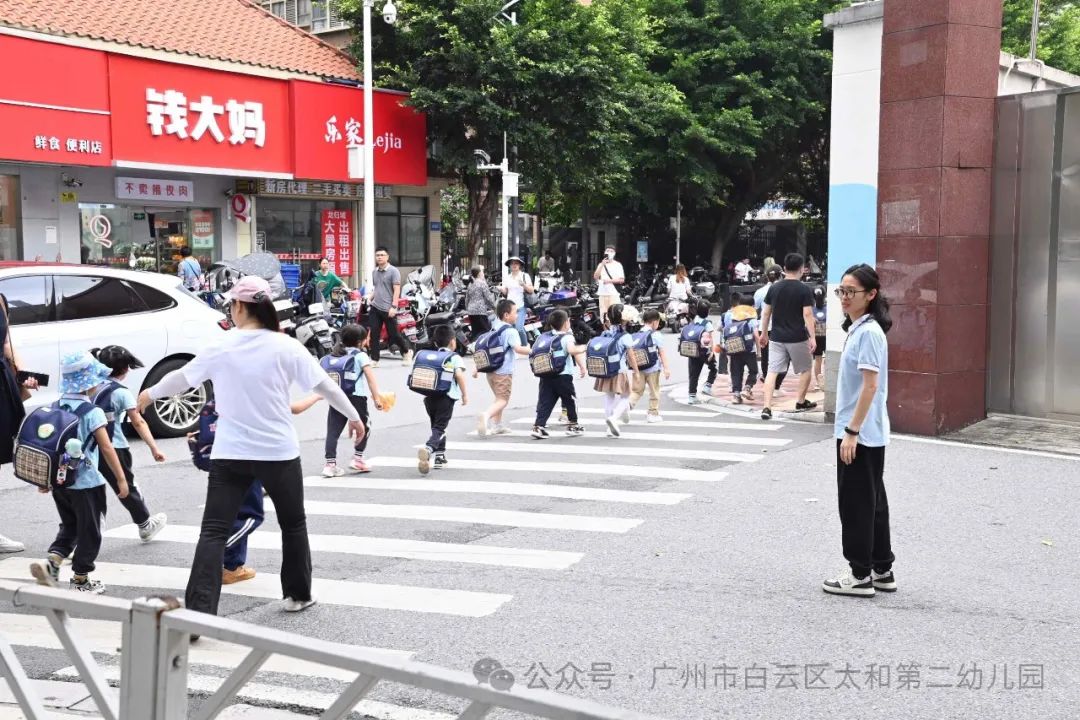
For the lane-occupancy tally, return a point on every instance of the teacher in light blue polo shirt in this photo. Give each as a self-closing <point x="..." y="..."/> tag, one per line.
<point x="862" y="432"/>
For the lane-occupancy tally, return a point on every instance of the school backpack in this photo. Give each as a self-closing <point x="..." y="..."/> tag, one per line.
<point x="694" y="341"/>
<point x="202" y="442"/>
<point x="428" y="375"/>
<point x="104" y="396"/>
<point x="819" y="322"/>
<point x="739" y="337"/>
<point x="342" y="370"/>
<point x="491" y="350"/>
<point x="548" y="356"/>
<point x="644" y="349"/>
<point x="603" y="357"/>
<point x="41" y="456"/>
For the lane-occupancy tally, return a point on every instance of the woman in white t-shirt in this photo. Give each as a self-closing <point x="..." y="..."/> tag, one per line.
<point x="515" y="287"/>
<point x="679" y="287"/>
<point x="253" y="369"/>
<point x="609" y="275"/>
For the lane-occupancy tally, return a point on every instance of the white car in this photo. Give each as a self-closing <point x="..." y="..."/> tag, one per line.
<point x="56" y="309"/>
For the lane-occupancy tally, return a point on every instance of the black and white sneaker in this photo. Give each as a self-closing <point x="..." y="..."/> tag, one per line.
<point x="440" y="462"/>
<point x="885" y="582"/>
<point x="540" y="432"/>
<point x="848" y="584"/>
<point x="766" y="413"/>
<point x="805" y="405"/>
<point x="575" y="431"/>
<point x="94" y="587"/>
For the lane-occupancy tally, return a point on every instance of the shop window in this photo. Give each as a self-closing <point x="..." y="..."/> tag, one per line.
<point x="81" y="297"/>
<point x="401" y="225"/>
<point x="10" y="248"/>
<point x="292" y="228"/>
<point x="118" y="236"/>
<point x="28" y="299"/>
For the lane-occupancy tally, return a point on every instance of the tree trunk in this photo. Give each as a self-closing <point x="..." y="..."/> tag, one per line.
<point x="726" y="228"/>
<point x="481" y="199"/>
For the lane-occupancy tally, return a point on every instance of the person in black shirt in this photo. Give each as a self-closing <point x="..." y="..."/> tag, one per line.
<point x="789" y="305"/>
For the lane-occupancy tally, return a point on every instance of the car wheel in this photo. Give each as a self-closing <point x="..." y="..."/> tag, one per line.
<point x="176" y="416"/>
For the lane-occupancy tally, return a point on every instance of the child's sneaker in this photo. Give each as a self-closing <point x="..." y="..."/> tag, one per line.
<point x="423" y="455"/>
<point x="358" y="465"/>
<point x="240" y="574"/>
<point x="564" y="418"/>
<point x="540" y="432"/>
<point x="152" y="527"/>
<point x="53" y="566"/>
<point x="482" y="425"/>
<point x="613" y="427"/>
<point x="292" y="606"/>
<point x="500" y="429"/>
<point x="87" y="585"/>
<point x="654" y="418"/>
<point x="748" y="394"/>
<point x="707" y="389"/>
<point x="692" y="400"/>
<point x="848" y="584"/>
<point x="575" y="431"/>
<point x="736" y="398"/>
<point x="332" y="470"/>
<point x="625" y="418"/>
<point x="440" y="462"/>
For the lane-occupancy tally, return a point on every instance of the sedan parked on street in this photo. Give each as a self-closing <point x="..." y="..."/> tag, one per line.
<point x="57" y="308"/>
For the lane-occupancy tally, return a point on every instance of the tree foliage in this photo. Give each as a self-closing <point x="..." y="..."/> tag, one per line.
<point x="1059" y="32"/>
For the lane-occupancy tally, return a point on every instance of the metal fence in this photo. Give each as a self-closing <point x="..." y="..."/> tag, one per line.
<point x="154" y="663"/>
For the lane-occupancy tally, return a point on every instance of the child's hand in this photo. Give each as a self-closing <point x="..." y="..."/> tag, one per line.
<point x="667" y="374"/>
<point x="475" y="374"/>
<point x="158" y="455"/>
<point x="581" y="372"/>
<point x="122" y="489"/>
<point x="378" y="405"/>
<point x="464" y="401"/>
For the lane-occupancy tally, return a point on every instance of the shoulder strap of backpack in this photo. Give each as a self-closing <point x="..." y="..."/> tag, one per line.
<point x="81" y="412"/>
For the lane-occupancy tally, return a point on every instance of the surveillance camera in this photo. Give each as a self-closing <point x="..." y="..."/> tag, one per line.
<point x="389" y="13"/>
<point x="482" y="158"/>
<point x="229" y="193"/>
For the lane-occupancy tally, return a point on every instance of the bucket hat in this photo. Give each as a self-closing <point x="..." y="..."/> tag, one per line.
<point x="81" y="373"/>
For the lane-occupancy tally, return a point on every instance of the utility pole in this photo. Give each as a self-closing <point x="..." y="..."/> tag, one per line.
<point x="514" y="211"/>
<point x="678" y="226"/>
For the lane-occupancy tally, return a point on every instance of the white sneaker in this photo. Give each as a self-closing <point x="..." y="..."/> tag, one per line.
<point x="423" y="460"/>
<point x="153" y="526"/>
<point x="848" y="584"/>
<point x="332" y="471"/>
<point x="885" y="582"/>
<point x="293" y="606"/>
<point x="613" y="427"/>
<point x="482" y="425"/>
<point x="651" y="419"/>
<point x="625" y="419"/>
<point x="500" y="430"/>
<point x="779" y="393"/>
<point x="7" y="545"/>
<point x="407" y="358"/>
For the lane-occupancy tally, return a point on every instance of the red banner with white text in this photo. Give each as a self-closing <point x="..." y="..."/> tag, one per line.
<point x="337" y="241"/>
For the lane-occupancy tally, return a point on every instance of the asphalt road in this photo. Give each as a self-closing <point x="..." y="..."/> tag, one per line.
<point x="684" y="598"/>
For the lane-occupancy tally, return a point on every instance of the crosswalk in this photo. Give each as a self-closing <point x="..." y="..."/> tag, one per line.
<point x="572" y="497"/>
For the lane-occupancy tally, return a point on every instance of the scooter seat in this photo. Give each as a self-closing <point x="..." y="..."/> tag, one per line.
<point x="440" y="318"/>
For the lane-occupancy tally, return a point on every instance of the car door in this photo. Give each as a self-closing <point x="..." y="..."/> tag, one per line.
<point x="33" y="337"/>
<point x="93" y="311"/>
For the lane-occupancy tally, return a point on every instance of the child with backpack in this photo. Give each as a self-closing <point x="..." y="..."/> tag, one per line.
<point x="118" y="402"/>
<point x="739" y="341"/>
<point x="695" y="344"/>
<point x="494" y="355"/>
<point x="609" y="360"/>
<point x="552" y="359"/>
<point x="439" y="375"/>
<point x="78" y="487"/>
<point x="351" y="369"/>
<point x="820" y="324"/>
<point x="651" y="360"/>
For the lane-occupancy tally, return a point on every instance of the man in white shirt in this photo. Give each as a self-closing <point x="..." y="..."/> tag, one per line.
<point x="742" y="270"/>
<point x="609" y="275"/>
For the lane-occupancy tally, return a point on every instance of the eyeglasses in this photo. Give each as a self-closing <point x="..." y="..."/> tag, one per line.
<point x="846" y="292"/>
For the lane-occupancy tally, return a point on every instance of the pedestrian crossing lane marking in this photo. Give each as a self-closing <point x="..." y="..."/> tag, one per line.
<point x="382" y="547"/>
<point x="547" y="469"/>
<point x="566" y="492"/>
<point x="691" y="424"/>
<point x="745" y="440"/>
<point x="475" y="516"/>
<point x="267" y="585"/>
<point x="701" y="414"/>
<point x="576" y="446"/>
<point x="104" y="637"/>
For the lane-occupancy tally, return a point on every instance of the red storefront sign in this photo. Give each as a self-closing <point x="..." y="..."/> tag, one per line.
<point x="337" y="240"/>
<point x="328" y="119"/>
<point x="54" y="103"/>
<point x="177" y="116"/>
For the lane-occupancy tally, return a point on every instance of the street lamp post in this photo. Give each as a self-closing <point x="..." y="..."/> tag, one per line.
<point x="367" y="241"/>
<point x="509" y="190"/>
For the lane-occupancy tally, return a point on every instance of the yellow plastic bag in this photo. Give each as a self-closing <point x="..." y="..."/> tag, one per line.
<point x="387" y="400"/>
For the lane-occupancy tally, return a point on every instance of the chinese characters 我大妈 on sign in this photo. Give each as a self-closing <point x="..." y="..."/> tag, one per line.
<point x="337" y="240"/>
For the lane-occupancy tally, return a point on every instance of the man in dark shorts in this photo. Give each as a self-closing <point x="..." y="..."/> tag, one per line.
<point x="789" y="305"/>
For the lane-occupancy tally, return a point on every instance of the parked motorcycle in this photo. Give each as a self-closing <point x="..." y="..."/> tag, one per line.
<point x="677" y="314"/>
<point x="702" y="283"/>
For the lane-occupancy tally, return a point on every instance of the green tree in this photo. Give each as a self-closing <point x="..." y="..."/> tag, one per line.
<point x="1059" y="32"/>
<point x="753" y="80"/>
<point x="563" y="85"/>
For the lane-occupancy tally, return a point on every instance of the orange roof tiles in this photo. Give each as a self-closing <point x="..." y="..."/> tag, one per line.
<point x="236" y="31"/>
